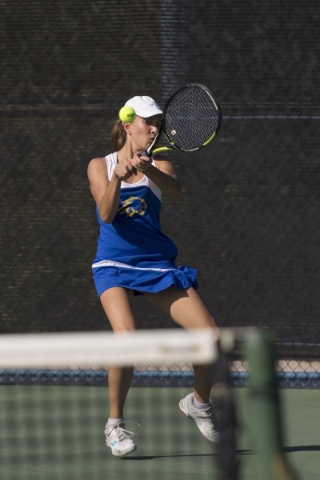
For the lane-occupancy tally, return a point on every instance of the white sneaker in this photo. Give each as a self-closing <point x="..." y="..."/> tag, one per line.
<point x="206" y="419"/>
<point x="119" y="440"/>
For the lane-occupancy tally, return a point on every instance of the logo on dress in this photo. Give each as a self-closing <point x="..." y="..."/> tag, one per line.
<point x="133" y="206"/>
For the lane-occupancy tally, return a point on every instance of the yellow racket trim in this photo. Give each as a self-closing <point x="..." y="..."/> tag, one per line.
<point x="210" y="139"/>
<point x="168" y="149"/>
<point x="161" y="150"/>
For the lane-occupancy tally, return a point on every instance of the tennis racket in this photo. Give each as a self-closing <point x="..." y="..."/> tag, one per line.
<point x="191" y="119"/>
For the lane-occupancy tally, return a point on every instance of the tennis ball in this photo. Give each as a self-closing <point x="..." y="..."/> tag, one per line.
<point x="127" y="114"/>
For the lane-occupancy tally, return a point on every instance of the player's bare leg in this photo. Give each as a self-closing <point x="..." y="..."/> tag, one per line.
<point x="188" y="310"/>
<point x="118" y="304"/>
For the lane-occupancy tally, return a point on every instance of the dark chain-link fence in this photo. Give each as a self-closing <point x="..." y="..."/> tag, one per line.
<point x="248" y="218"/>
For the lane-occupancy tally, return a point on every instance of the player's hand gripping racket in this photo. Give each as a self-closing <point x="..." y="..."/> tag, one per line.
<point x="191" y="120"/>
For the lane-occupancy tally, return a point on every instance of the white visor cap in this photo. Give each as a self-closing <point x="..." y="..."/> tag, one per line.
<point x="144" y="106"/>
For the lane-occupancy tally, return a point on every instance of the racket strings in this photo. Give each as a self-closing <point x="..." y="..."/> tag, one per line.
<point x="191" y="118"/>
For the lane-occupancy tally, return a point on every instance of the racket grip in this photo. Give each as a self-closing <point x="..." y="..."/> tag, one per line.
<point x="145" y="154"/>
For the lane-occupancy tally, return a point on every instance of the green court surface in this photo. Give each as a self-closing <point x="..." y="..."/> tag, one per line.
<point x="53" y="432"/>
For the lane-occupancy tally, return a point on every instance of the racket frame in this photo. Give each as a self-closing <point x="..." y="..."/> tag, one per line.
<point x="152" y="150"/>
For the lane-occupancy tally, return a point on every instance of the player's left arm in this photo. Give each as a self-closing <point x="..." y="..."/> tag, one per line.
<point x="163" y="174"/>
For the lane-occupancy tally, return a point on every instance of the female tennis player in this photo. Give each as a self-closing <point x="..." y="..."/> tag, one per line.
<point x="134" y="257"/>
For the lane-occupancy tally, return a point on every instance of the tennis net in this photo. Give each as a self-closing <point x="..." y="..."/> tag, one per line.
<point x="54" y="405"/>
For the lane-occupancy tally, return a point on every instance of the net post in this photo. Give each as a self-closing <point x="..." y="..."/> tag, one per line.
<point x="266" y="421"/>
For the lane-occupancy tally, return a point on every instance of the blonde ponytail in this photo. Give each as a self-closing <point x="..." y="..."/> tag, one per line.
<point x="118" y="135"/>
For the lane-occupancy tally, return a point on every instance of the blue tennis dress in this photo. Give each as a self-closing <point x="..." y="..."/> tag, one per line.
<point x="132" y="251"/>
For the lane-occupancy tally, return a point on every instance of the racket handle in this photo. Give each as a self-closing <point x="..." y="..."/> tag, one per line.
<point x="145" y="154"/>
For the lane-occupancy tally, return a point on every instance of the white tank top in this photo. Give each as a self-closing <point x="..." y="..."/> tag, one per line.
<point x="111" y="161"/>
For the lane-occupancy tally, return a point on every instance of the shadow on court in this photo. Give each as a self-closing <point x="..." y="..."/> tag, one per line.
<point x="152" y="457"/>
<point x="302" y="448"/>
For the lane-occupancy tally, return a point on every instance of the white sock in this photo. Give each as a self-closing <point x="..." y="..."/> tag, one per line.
<point x="114" y="421"/>
<point x="200" y="405"/>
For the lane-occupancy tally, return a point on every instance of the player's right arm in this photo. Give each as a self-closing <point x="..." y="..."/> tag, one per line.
<point x="106" y="193"/>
